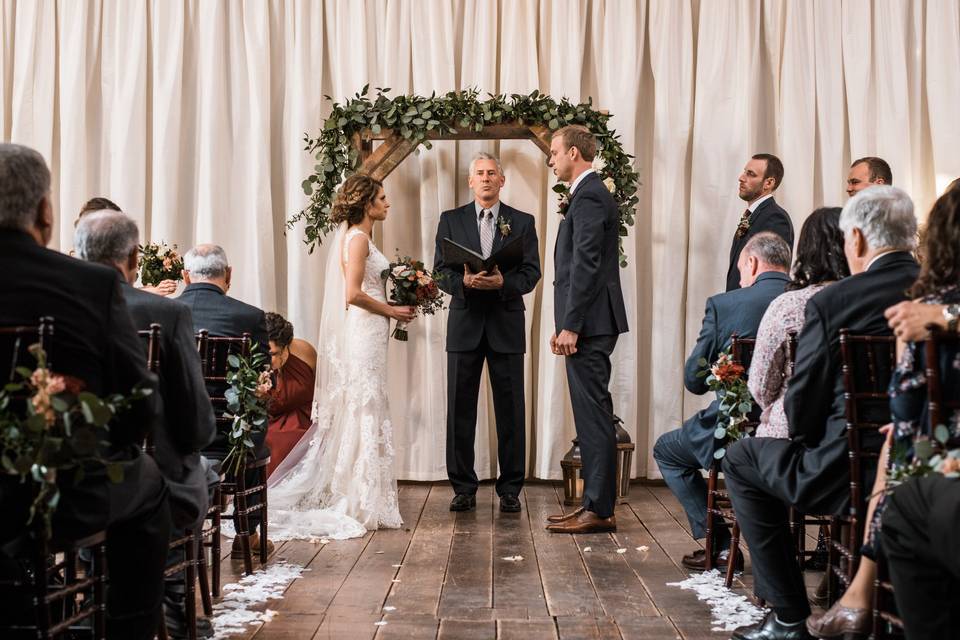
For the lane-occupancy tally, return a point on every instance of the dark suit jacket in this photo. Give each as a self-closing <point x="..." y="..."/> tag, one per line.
<point x="188" y="424"/>
<point x="93" y="341"/>
<point x="814" y="472"/>
<point x="769" y="216"/>
<point x="739" y="312"/>
<point x="587" y="297"/>
<point x="222" y="315"/>
<point x="496" y="314"/>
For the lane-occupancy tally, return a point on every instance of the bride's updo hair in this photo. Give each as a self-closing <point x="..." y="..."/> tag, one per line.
<point x="357" y="192"/>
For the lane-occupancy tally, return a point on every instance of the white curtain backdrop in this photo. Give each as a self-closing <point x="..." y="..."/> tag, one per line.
<point x="191" y="115"/>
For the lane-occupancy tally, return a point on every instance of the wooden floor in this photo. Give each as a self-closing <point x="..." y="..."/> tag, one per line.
<point x="447" y="576"/>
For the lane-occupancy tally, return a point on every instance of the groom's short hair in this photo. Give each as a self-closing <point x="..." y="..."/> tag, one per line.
<point x="483" y="155"/>
<point x="576" y="135"/>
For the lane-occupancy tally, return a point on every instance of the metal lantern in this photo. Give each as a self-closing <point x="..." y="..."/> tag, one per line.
<point x="625" y="448"/>
<point x="572" y="482"/>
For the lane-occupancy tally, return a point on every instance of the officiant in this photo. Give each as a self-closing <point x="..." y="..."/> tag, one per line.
<point x="486" y="324"/>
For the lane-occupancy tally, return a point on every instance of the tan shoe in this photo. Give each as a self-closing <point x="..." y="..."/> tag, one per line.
<point x="839" y="621"/>
<point x="586" y="522"/>
<point x="563" y="517"/>
<point x="236" y="552"/>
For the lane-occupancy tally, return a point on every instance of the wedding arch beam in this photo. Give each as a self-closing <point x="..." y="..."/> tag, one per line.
<point x="395" y="148"/>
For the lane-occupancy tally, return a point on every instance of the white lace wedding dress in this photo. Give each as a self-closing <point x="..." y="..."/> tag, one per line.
<point x="338" y="481"/>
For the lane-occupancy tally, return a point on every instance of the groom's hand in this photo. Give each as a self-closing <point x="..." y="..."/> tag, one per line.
<point x="566" y="343"/>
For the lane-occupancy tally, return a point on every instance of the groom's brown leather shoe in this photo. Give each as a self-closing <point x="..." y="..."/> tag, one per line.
<point x="563" y="517"/>
<point x="586" y="522"/>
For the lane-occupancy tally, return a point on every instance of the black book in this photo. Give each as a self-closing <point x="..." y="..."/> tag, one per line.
<point x="510" y="255"/>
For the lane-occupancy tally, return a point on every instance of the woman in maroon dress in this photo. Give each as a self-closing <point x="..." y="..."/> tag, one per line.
<point x="294" y="362"/>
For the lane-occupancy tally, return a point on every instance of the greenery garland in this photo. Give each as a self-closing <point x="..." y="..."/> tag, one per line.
<point x="414" y="117"/>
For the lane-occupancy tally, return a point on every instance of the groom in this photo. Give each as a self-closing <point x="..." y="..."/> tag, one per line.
<point x="486" y="323"/>
<point x="589" y="315"/>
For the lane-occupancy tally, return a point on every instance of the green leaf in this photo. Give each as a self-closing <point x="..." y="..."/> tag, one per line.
<point x="719" y="453"/>
<point x="942" y="434"/>
<point x="233" y="361"/>
<point x="720" y="433"/>
<point x="115" y="472"/>
<point x="923" y="449"/>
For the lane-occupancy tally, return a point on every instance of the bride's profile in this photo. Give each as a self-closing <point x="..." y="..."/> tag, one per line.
<point x="339" y="481"/>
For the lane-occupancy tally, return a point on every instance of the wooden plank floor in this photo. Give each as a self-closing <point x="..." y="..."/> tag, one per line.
<point x="489" y="575"/>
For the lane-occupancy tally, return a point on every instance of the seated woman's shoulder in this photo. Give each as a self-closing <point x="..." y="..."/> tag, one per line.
<point x="305" y="351"/>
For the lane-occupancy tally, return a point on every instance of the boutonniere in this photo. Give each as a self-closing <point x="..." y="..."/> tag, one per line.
<point x="744" y="226"/>
<point x="504" y="225"/>
<point x="564" y="200"/>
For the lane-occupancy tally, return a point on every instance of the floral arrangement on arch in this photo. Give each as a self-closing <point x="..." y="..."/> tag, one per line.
<point x="159" y="262"/>
<point x="415" y="118"/>
<point x="415" y="286"/>
<point x="50" y="428"/>
<point x="247" y="396"/>
<point x="727" y="379"/>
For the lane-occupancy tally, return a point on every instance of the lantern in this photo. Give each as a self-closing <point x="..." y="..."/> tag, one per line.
<point x="625" y="449"/>
<point x="572" y="467"/>
<point x="572" y="482"/>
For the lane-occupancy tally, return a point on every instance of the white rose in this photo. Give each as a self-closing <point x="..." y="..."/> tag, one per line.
<point x="598" y="164"/>
<point x="610" y="185"/>
<point x="398" y="270"/>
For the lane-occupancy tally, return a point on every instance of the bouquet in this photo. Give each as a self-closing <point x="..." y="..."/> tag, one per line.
<point x="48" y="426"/>
<point x="726" y="378"/>
<point x="413" y="286"/>
<point x="247" y="399"/>
<point x="159" y="262"/>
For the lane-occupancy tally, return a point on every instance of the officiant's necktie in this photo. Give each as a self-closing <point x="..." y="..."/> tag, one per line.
<point x="486" y="232"/>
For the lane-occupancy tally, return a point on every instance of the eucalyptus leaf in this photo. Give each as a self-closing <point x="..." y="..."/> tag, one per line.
<point x="719" y="453"/>
<point x="942" y="434"/>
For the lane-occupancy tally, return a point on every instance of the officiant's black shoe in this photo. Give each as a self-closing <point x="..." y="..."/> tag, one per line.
<point x="463" y="502"/>
<point x="509" y="503"/>
<point x="771" y="629"/>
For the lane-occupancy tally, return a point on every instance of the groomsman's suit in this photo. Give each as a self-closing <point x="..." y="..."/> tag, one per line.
<point x="765" y="215"/>
<point x="810" y="470"/>
<point x="589" y="302"/>
<point x="486" y="325"/>
<point x="683" y="452"/>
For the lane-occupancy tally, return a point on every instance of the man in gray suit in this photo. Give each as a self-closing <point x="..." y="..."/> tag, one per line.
<point x="589" y="314"/>
<point x="763" y="265"/>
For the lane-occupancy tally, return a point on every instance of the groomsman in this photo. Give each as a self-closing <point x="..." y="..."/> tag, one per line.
<point x="486" y="324"/>
<point x="589" y="314"/>
<point x="761" y="176"/>
<point x="867" y="172"/>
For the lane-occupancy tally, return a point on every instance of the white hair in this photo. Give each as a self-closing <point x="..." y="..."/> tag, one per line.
<point x="483" y="155"/>
<point x="24" y="181"/>
<point x="206" y="261"/>
<point x="884" y="215"/>
<point x="106" y="236"/>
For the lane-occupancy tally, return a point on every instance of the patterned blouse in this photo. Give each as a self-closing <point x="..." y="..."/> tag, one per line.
<point x="769" y="369"/>
<point x="908" y="406"/>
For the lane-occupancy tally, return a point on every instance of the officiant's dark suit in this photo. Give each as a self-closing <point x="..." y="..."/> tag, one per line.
<point x="589" y="302"/>
<point x="683" y="452"/>
<point x="188" y="415"/>
<point x="810" y="470"/>
<point x="486" y="326"/>
<point x="95" y="343"/>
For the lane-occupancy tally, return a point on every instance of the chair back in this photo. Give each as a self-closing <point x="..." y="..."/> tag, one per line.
<point x="15" y="342"/>
<point x="214" y="352"/>
<point x="741" y="350"/>
<point x="151" y="337"/>
<point x="868" y="364"/>
<point x="943" y="382"/>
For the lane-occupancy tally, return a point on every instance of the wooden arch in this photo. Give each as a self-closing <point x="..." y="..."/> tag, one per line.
<point x="395" y="148"/>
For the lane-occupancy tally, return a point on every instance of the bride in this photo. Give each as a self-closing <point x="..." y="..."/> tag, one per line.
<point x="338" y="481"/>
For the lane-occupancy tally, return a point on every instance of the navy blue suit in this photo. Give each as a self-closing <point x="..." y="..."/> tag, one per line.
<point x="769" y="216"/>
<point x="588" y="301"/>
<point x="486" y="326"/>
<point x="683" y="452"/>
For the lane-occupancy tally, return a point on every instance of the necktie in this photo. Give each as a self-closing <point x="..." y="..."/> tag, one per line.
<point x="486" y="233"/>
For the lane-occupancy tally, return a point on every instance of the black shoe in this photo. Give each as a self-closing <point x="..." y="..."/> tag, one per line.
<point x="509" y="503"/>
<point x="175" y="615"/>
<point x="463" y="502"/>
<point x="697" y="561"/>
<point x="770" y="629"/>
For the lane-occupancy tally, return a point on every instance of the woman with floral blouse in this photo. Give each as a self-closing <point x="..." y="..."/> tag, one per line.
<point x="938" y="283"/>
<point x="820" y="261"/>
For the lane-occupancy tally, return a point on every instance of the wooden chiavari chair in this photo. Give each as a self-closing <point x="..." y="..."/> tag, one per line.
<point x="63" y="601"/>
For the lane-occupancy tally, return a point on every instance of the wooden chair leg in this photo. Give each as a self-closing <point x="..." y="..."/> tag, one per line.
<point x="262" y="481"/>
<point x="833" y="560"/>
<point x="732" y="557"/>
<point x="215" y="546"/>
<point x="100" y="592"/>
<point x="205" y="600"/>
<point x="711" y="505"/>
<point x="190" y="576"/>
<point x="241" y="523"/>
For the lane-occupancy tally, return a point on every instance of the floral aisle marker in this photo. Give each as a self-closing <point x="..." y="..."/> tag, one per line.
<point x="247" y="398"/>
<point x="345" y="145"/>
<point x="726" y="378"/>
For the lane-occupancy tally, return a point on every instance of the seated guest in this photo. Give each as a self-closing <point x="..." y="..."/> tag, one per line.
<point x="939" y="283"/>
<point x="111" y="238"/>
<point x="94" y="343"/>
<point x="810" y="471"/>
<point x="922" y="548"/>
<point x="819" y="262"/>
<point x="683" y="452"/>
<point x="294" y="362"/>
<point x="207" y="276"/>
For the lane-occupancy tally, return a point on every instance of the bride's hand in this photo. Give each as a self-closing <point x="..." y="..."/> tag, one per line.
<point x="403" y="313"/>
